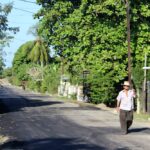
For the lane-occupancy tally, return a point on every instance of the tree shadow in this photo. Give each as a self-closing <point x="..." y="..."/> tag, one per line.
<point x="135" y="130"/>
<point x="51" y="144"/>
<point x="17" y="104"/>
<point x="8" y="104"/>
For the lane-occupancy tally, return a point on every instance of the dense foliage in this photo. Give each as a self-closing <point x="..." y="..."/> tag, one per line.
<point x="5" y="30"/>
<point x="91" y="35"/>
<point x="85" y="35"/>
<point x="31" y="67"/>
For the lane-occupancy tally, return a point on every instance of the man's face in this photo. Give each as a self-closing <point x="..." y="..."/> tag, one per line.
<point x="126" y="87"/>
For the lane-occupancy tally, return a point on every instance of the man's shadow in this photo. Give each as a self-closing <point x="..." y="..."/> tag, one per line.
<point x="135" y="130"/>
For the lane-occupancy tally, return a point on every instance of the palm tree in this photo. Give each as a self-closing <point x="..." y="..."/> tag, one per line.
<point x="39" y="54"/>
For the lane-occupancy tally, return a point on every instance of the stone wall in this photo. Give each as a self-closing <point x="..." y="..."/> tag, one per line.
<point x="68" y="90"/>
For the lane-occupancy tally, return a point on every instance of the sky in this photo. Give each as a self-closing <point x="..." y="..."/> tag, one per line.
<point x="22" y="19"/>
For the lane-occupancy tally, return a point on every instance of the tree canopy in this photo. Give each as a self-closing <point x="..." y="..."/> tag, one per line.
<point x="5" y="29"/>
<point x="27" y="54"/>
<point x="91" y="35"/>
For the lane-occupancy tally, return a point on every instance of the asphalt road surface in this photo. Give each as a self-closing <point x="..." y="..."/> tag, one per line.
<point x="35" y="122"/>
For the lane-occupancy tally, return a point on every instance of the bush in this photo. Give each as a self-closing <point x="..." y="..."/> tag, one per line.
<point x="73" y="96"/>
<point x="31" y="84"/>
<point x="43" y="87"/>
<point x="102" y="89"/>
<point x="51" y="79"/>
<point x="15" y="81"/>
<point x="7" y="72"/>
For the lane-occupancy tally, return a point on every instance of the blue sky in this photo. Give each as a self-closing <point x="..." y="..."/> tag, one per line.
<point x="24" y="21"/>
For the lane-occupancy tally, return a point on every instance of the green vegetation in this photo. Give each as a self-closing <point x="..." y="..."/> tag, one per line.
<point x="39" y="54"/>
<point x="5" y="31"/>
<point x="33" y="68"/>
<point x="91" y="35"/>
<point x="142" y="117"/>
<point x="85" y="35"/>
<point x="51" y="78"/>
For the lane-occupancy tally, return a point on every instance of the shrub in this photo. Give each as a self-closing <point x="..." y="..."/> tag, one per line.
<point x="102" y="89"/>
<point x="51" y="78"/>
<point x="15" y="81"/>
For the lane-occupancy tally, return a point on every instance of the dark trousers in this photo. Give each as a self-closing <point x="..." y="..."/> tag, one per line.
<point x="126" y="119"/>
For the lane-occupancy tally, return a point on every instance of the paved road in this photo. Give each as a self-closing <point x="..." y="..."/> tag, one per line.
<point x="36" y="122"/>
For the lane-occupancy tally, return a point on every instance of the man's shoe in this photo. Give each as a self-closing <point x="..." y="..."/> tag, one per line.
<point x="124" y="132"/>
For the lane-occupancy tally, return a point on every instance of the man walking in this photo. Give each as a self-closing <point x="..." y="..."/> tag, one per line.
<point x="125" y="107"/>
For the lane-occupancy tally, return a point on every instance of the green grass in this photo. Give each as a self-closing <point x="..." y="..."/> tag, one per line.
<point x="141" y="117"/>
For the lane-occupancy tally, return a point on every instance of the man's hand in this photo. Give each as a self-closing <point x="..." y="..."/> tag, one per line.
<point x="134" y="93"/>
<point x="118" y="109"/>
<point x="118" y="106"/>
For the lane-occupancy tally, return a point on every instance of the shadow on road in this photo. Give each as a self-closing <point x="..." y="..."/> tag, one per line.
<point x="16" y="104"/>
<point x="123" y="148"/>
<point x="146" y="130"/>
<point x="51" y="144"/>
<point x="8" y="104"/>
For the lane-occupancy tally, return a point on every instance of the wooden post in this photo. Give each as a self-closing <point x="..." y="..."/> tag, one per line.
<point x="128" y="40"/>
<point x="144" y="87"/>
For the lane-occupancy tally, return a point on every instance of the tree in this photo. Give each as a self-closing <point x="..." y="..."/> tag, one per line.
<point x="91" y="35"/>
<point x="5" y="30"/>
<point x="4" y="27"/>
<point x="1" y="63"/>
<point x="140" y="45"/>
<point x="39" y="53"/>
<point x="32" y="54"/>
<point x="22" y="54"/>
<point x="21" y="61"/>
<point x="84" y="34"/>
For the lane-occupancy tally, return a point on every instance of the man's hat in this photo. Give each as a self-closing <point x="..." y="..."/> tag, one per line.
<point x="126" y="83"/>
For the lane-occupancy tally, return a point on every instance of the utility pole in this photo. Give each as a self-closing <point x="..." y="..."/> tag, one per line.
<point x="128" y="40"/>
<point x="144" y="87"/>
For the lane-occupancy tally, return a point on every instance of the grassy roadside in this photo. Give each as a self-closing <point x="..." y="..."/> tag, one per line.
<point x="142" y="117"/>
